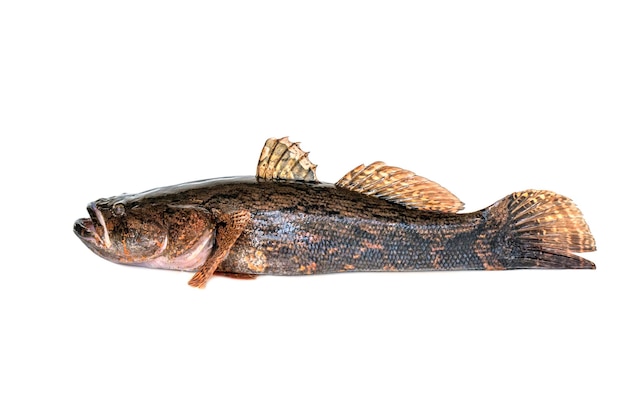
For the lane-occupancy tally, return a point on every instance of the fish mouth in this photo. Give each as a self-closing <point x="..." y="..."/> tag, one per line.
<point x="93" y="229"/>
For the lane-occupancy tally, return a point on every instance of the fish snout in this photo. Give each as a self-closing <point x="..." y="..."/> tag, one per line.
<point x="93" y="229"/>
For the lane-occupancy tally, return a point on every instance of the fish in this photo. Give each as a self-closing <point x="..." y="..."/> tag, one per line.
<point x="284" y="221"/>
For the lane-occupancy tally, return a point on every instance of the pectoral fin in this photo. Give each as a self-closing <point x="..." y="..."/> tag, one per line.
<point x="229" y="227"/>
<point x="400" y="186"/>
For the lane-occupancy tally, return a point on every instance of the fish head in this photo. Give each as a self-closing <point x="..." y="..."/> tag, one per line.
<point x="158" y="235"/>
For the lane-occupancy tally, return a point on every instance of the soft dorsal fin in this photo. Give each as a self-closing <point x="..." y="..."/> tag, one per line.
<point x="282" y="159"/>
<point x="400" y="186"/>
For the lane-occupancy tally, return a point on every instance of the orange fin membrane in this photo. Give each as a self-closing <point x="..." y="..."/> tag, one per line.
<point x="400" y="186"/>
<point x="547" y="228"/>
<point x="282" y="159"/>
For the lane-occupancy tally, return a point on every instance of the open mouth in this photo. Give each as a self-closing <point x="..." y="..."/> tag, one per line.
<point x="93" y="229"/>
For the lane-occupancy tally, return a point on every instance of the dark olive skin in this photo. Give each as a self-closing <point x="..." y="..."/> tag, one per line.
<point x="309" y="228"/>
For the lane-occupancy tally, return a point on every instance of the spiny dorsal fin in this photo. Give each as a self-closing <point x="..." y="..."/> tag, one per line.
<point x="400" y="186"/>
<point x="282" y="159"/>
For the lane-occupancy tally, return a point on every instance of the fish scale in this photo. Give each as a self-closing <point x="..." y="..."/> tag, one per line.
<point x="283" y="221"/>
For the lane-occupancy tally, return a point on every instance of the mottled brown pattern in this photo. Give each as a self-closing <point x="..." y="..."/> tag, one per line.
<point x="249" y="226"/>
<point x="304" y="228"/>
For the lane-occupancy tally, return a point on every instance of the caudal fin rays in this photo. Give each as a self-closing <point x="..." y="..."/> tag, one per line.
<point x="546" y="228"/>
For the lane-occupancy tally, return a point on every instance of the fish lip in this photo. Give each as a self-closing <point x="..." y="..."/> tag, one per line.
<point x="86" y="228"/>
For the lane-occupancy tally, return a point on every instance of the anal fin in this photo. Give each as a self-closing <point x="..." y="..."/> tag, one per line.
<point x="238" y="276"/>
<point x="400" y="186"/>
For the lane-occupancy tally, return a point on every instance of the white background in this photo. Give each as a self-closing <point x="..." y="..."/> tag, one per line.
<point x="486" y="98"/>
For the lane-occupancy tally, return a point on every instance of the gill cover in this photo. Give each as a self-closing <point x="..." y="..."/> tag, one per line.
<point x="155" y="235"/>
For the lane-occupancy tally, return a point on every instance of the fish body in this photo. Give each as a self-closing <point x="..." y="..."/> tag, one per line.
<point x="285" y="222"/>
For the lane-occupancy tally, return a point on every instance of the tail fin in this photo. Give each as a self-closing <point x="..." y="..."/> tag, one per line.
<point x="542" y="230"/>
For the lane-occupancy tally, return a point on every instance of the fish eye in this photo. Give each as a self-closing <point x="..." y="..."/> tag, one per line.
<point x="118" y="209"/>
